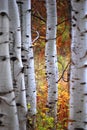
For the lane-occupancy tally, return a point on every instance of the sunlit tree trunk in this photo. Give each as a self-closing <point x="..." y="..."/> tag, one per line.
<point x="51" y="58"/>
<point x="28" y="52"/>
<point x="78" y="76"/>
<point x="18" y="77"/>
<point x="8" y="111"/>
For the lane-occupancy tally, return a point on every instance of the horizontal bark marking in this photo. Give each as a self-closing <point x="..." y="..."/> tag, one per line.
<point x="23" y="89"/>
<point x="79" y="129"/>
<point x="53" y="56"/>
<point x="18" y="29"/>
<point x="85" y="122"/>
<point x="73" y="88"/>
<point x="49" y="28"/>
<point x="3" y="58"/>
<point x="79" y="112"/>
<point x="4" y="14"/>
<point x="27" y="35"/>
<point x="46" y="40"/>
<point x="19" y="2"/>
<point x="85" y="94"/>
<point x="83" y="83"/>
<point x="84" y="66"/>
<point x="31" y="57"/>
<point x="54" y="92"/>
<point x="19" y="47"/>
<point x="29" y="10"/>
<point x="1" y="115"/>
<point x="82" y="34"/>
<point x="49" y="73"/>
<point x="77" y="0"/>
<point x="1" y="122"/>
<point x="1" y="33"/>
<point x="45" y="73"/>
<point x="76" y="12"/>
<point x="85" y="16"/>
<point x="5" y="93"/>
<point x="23" y="49"/>
<point x="22" y="56"/>
<point x="24" y="60"/>
<point x="31" y="47"/>
<point x="76" y="78"/>
<point x="72" y="81"/>
<point x="85" y="31"/>
<point x="19" y="105"/>
<point x="14" y="58"/>
<point x="11" y="53"/>
<point x="74" y="25"/>
<point x="71" y="120"/>
<point x="26" y="75"/>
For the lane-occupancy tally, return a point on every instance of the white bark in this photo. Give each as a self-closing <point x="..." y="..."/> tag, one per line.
<point x="18" y="66"/>
<point x="78" y="77"/>
<point x="28" y="51"/>
<point x="31" y="89"/>
<point x="23" y="39"/>
<point x="51" y="58"/>
<point x="8" y="111"/>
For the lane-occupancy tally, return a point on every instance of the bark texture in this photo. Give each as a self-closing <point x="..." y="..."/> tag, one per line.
<point x="18" y="69"/>
<point x="28" y="57"/>
<point x="8" y="111"/>
<point x="51" y="58"/>
<point x="78" y="76"/>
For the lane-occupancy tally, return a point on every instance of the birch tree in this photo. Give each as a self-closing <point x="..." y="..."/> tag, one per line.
<point x="78" y="76"/>
<point x="8" y="111"/>
<point x="18" y="76"/>
<point x="28" y="54"/>
<point x="51" y="58"/>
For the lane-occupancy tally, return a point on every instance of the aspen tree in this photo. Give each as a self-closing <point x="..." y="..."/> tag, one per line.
<point x="25" y="16"/>
<point x="78" y="75"/>
<point x="18" y="69"/>
<point x="8" y="111"/>
<point x="51" y="58"/>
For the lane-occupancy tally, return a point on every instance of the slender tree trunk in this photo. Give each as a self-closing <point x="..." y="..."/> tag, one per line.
<point x="28" y="54"/>
<point x="18" y="77"/>
<point x="78" y="76"/>
<point x="51" y="59"/>
<point x="8" y="111"/>
<point x="31" y="89"/>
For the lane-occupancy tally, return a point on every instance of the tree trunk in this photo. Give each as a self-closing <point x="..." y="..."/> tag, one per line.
<point x="18" y="77"/>
<point x="28" y="54"/>
<point x="51" y="59"/>
<point x="78" y="76"/>
<point x="8" y="111"/>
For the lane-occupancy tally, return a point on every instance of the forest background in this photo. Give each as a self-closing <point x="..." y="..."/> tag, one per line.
<point x="63" y="50"/>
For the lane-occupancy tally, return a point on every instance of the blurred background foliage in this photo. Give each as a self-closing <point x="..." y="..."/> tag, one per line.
<point x="63" y="49"/>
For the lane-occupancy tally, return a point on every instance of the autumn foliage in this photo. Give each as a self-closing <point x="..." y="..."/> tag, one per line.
<point x="63" y="49"/>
